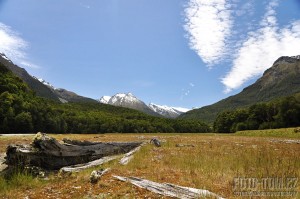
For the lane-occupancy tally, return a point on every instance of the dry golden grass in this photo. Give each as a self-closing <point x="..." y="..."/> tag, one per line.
<point x="213" y="163"/>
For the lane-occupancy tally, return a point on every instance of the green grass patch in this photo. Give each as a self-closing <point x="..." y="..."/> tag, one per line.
<point x="284" y="133"/>
<point x="18" y="180"/>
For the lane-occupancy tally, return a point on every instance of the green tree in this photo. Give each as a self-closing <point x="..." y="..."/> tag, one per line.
<point x="23" y="123"/>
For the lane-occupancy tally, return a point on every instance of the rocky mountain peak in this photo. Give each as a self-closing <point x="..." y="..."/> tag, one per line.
<point x="282" y="68"/>
<point x="127" y="100"/>
<point x="288" y="59"/>
<point x="122" y="99"/>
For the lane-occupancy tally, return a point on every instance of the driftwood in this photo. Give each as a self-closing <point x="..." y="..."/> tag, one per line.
<point x="96" y="175"/>
<point x="79" y="167"/>
<point x="48" y="153"/>
<point x="167" y="189"/>
<point x="128" y="156"/>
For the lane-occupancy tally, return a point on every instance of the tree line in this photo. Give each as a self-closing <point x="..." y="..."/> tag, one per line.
<point x="280" y="113"/>
<point x="21" y="111"/>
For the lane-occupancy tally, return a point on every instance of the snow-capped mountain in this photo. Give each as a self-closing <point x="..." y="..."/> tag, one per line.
<point x="166" y="111"/>
<point x="128" y="100"/>
<point x="122" y="99"/>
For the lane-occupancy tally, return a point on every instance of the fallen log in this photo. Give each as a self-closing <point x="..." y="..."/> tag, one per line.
<point x="48" y="153"/>
<point x="79" y="167"/>
<point x="167" y="189"/>
<point x="128" y="156"/>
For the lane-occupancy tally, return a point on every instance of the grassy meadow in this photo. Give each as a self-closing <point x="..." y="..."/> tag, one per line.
<point x="208" y="161"/>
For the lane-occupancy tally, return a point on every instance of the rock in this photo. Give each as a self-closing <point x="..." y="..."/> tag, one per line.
<point x="156" y="142"/>
<point x="96" y="175"/>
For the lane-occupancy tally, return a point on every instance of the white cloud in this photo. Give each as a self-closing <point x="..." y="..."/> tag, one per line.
<point x="247" y="8"/>
<point x="262" y="47"/>
<point x="187" y="91"/>
<point x="14" y="47"/>
<point x="208" y="23"/>
<point x="29" y="65"/>
<point x="212" y="34"/>
<point x="11" y="43"/>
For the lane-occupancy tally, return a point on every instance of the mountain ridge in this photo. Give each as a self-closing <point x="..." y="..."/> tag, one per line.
<point x="161" y="110"/>
<point x="42" y="87"/>
<point x="282" y="79"/>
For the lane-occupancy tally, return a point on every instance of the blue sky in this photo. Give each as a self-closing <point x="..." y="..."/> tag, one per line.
<point x="184" y="53"/>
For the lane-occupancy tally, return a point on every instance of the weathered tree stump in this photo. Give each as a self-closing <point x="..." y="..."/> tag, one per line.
<point x="48" y="153"/>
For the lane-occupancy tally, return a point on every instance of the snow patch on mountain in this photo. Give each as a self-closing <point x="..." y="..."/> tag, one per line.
<point x="4" y="56"/>
<point x="45" y="82"/>
<point x="127" y="100"/>
<point x="182" y="110"/>
<point x="166" y="111"/>
<point x="104" y="99"/>
<point x="122" y="98"/>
